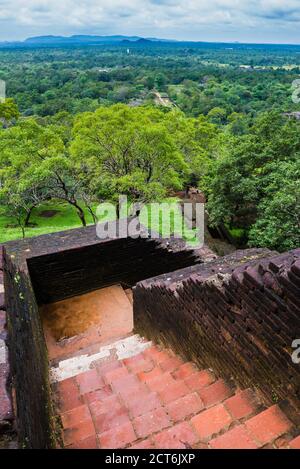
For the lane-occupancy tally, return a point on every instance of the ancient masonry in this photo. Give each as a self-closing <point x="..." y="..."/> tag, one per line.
<point x="6" y="414"/>
<point x="208" y="364"/>
<point x="153" y="399"/>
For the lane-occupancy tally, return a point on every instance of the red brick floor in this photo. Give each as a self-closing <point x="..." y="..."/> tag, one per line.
<point x="155" y="400"/>
<point x="87" y="320"/>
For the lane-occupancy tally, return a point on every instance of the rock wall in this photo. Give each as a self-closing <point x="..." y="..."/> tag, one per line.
<point x="6" y="413"/>
<point x="238" y="315"/>
<point x="28" y="362"/>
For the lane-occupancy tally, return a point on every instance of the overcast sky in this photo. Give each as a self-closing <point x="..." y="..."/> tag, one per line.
<point x="198" y="20"/>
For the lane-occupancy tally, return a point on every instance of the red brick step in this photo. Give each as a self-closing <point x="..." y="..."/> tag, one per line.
<point x="155" y="400"/>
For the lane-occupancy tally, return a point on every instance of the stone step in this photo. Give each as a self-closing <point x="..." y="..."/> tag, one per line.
<point x="153" y="399"/>
<point x="118" y="350"/>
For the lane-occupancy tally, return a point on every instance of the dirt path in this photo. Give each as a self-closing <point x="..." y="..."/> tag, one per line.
<point x="163" y="100"/>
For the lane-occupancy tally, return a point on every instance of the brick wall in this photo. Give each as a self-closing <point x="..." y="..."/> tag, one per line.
<point x="60" y="275"/>
<point x="238" y="314"/>
<point x="28" y="361"/>
<point x="53" y="267"/>
<point x="6" y="414"/>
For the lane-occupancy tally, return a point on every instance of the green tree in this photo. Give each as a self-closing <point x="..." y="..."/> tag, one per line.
<point x="217" y="115"/>
<point x="278" y="222"/>
<point x="35" y="165"/>
<point x="195" y="138"/>
<point x="246" y="182"/>
<point x="19" y="199"/>
<point x="161" y="81"/>
<point x="8" y="111"/>
<point x="130" y="151"/>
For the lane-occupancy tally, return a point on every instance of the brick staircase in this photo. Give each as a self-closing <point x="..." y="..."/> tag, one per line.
<point x="155" y="400"/>
<point x="132" y="394"/>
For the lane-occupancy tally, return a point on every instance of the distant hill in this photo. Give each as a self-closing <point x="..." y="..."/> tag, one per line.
<point x="88" y="39"/>
<point x="78" y="39"/>
<point x="142" y="40"/>
<point x="82" y="40"/>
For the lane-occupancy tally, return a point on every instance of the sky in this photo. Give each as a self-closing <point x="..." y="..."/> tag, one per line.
<point x="268" y="21"/>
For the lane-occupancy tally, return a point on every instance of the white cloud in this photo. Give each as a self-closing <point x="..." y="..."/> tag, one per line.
<point x="256" y="20"/>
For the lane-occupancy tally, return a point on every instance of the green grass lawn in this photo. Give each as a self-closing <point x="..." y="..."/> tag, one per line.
<point x="239" y="235"/>
<point x="67" y="218"/>
<point x="164" y="225"/>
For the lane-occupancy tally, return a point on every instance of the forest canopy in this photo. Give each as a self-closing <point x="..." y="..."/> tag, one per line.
<point x="83" y="126"/>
